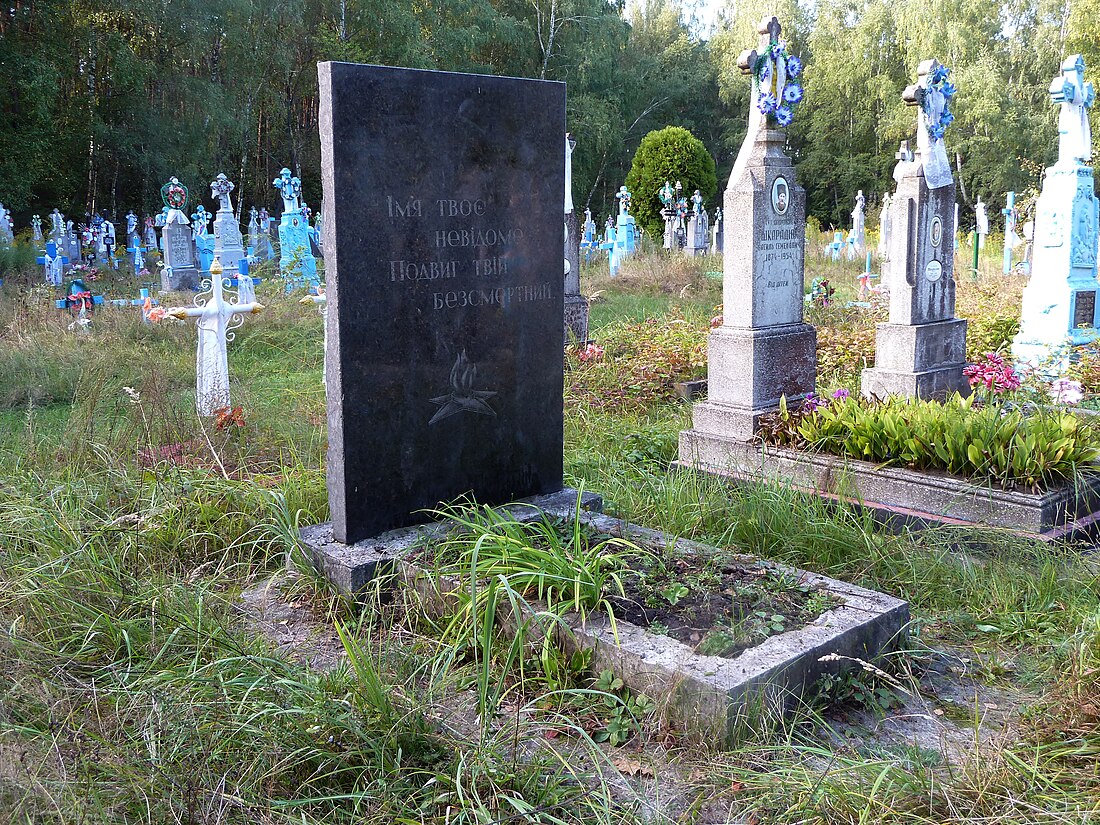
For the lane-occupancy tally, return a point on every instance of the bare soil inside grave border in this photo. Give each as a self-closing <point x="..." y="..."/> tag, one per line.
<point x="717" y="605"/>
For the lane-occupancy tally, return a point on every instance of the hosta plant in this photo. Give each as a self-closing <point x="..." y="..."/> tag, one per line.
<point x="994" y="444"/>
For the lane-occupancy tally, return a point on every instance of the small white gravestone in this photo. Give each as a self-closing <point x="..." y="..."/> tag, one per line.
<point x="216" y="319"/>
<point x="885" y="228"/>
<point x="981" y="222"/>
<point x="859" y="227"/>
<point x="1059" y="304"/>
<point x="921" y="351"/>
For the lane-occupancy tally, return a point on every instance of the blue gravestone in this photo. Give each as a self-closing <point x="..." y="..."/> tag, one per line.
<point x="296" y="261"/>
<point x="1059" y="304"/>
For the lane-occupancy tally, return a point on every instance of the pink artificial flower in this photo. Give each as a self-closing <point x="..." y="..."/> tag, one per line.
<point x="996" y="375"/>
<point x="592" y="352"/>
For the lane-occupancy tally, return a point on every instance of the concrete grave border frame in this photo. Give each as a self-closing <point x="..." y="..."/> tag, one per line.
<point x="709" y="697"/>
<point x="898" y="497"/>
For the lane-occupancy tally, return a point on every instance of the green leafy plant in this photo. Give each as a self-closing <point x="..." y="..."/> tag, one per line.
<point x="674" y="592"/>
<point x="626" y="708"/>
<point x="996" y="443"/>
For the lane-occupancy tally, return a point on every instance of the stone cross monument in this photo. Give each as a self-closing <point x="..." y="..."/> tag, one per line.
<point x="763" y="351"/>
<point x="884" y="228"/>
<point x="228" y="244"/>
<point x="981" y="222"/>
<point x="1059" y="303"/>
<point x="296" y="262"/>
<point x="921" y="350"/>
<point x="859" y="222"/>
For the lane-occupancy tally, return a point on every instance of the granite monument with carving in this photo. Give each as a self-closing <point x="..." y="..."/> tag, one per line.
<point x="445" y="362"/>
<point x="763" y="351"/>
<point x="180" y="270"/>
<point x="921" y="350"/>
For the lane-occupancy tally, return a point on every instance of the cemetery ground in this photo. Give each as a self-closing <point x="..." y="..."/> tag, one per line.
<point x="169" y="656"/>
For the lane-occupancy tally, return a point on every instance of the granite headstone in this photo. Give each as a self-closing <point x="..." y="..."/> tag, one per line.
<point x="444" y="323"/>
<point x="921" y="351"/>
<point x="763" y="351"/>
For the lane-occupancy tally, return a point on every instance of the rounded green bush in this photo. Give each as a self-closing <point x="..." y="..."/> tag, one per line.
<point x="672" y="154"/>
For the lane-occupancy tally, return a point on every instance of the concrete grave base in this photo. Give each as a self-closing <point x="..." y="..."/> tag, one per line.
<point x="918" y="361"/>
<point x="900" y="497"/>
<point x="350" y="567"/>
<point x="709" y="697"/>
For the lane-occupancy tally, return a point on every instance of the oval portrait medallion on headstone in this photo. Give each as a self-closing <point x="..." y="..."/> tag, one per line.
<point x="781" y="196"/>
<point x="933" y="271"/>
<point x="937" y="232"/>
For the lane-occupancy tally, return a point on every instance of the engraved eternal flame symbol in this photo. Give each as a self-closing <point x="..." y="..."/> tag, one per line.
<point x="462" y="397"/>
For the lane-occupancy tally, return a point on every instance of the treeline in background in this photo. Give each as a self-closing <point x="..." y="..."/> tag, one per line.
<point x="102" y="100"/>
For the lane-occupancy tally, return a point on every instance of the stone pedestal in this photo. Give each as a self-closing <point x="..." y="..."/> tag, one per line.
<point x="228" y="243"/>
<point x="763" y="351"/>
<point x="180" y="266"/>
<point x="748" y="371"/>
<point x="296" y="263"/>
<point x="919" y="361"/>
<point x="1060" y="309"/>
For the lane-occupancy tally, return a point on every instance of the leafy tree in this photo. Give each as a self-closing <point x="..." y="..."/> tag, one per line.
<point x="672" y="154"/>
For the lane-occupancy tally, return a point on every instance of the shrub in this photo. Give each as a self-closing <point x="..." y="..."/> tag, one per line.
<point x="640" y="362"/>
<point x="671" y="154"/>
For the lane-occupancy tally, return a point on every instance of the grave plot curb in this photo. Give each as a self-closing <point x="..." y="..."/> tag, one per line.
<point x="351" y="567"/>
<point x="899" y="497"/>
<point x="709" y="697"/>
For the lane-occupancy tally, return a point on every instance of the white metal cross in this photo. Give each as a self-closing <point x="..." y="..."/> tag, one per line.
<point x="216" y="320"/>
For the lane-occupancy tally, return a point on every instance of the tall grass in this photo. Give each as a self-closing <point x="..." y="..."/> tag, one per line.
<point x="136" y="690"/>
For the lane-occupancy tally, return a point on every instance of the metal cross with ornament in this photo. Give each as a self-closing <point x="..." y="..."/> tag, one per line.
<point x="773" y="74"/>
<point x="216" y="320"/>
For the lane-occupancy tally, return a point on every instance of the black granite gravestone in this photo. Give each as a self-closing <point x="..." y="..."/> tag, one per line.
<point x="443" y="239"/>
